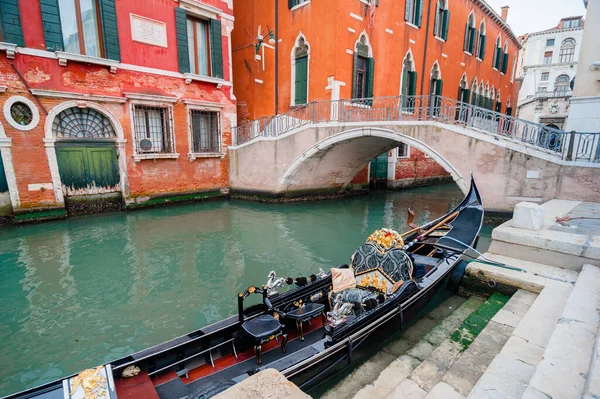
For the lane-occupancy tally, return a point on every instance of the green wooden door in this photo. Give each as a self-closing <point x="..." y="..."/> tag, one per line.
<point x="301" y="83"/>
<point x="86" y="167"/>
<point x="379" y="167"/>
<point x="3" y="182"/>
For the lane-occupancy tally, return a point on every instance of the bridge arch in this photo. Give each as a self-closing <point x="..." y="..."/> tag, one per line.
<point x="324" y="154"/>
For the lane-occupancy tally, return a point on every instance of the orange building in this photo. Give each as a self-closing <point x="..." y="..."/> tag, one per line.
<point x="327" y="50"/>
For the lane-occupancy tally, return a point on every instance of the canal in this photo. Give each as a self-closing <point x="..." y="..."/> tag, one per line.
<point x="86" y="290"/>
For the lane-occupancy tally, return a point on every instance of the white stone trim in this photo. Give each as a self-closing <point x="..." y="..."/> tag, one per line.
<point x="258" y="81"/>
<point x="440" y="39"/>
<point x="348" y="51"/>
<point x="189" y="77"/>
<point x="154" y="156"/>
<point x="411" y="41"/>
<point x="76" y="96"/>
<point x="9" y="170"/>
<point x="150" y="97"/>
<point x="297" y="6"/>
<point x="351" y="30"/>
<point x="201" y="9"/>
<point x="358" y="17"/>
<point x="10" y="49"/>
<point x="207" y="104"/>
<point x="64" y="57"/>
<point x="444" y="55"/>
<point x="50" y="140"/>
<point x="438" y="68"/>
<point x="391" y="32"/>
<point x="35" y="113"/>
<point x="368" y="42"/>
<point x="411" y="25"/>
<point x="293" y="69"/>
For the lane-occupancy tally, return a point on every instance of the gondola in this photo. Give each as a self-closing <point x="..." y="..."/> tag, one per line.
<point x="307" y="333"/>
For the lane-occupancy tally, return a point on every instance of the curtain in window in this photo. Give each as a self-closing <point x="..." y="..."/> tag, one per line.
<point x="68" y="20"/>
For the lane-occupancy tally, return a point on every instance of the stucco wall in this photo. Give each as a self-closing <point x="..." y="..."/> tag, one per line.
<point x="326" y="159"/>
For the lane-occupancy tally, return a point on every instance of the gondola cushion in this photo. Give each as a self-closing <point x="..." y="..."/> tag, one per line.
<point x="381" y="270"/>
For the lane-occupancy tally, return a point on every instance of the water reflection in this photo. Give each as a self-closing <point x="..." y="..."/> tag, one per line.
<point x="87" y="290"/>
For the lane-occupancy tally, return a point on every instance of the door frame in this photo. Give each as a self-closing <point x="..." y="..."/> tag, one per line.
<point x="50" y="140"/>
<point x="9" y="170"/>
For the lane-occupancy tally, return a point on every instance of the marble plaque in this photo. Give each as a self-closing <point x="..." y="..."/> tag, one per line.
<point x="149" y="31"/>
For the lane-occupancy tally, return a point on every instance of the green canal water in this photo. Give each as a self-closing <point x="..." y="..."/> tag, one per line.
<point x="86" y="290"/>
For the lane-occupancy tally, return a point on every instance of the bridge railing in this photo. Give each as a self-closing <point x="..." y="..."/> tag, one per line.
<point x="567" y="145"/>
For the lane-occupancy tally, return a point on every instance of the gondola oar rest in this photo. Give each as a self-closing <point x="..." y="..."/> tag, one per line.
<point x="263" y="328"/>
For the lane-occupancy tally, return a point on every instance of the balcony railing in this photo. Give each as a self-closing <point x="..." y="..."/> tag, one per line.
<point x="570" y="146"/>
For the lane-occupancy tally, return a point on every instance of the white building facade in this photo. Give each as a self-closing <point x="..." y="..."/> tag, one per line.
<point x="547" y="65"/>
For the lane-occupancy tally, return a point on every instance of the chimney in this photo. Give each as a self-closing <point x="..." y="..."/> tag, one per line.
<point x="504" y="14"/>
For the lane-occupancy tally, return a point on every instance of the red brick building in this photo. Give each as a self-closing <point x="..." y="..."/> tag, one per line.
<point x="105" y="98"/>
<point x="332" y="49"/>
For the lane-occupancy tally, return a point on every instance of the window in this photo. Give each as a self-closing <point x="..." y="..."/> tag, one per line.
<point x="294" y="3"/>
<point x="571" y="23"/>
<point x="545" y="76"/>
<point x="548" y="57"/>
<point x="470" y="31"/>
<point x="153" y="129"/>
<point x="561" y="84"/>
<point x="198" y="46"/>
<point x="205" y="130"/>
<point x="300" y="72"/>
<point x="364" y="69"/>
<point x="504" y="66"/>
<point x="413" y="12"/>
<point x="408" y="88"/>
<point x="567" y="50"/>
<point x="82" y="123"/>
<point x="21" y="113"/>
<point x="442" y="18"/>
<point x="80" y="22"/>
<point x="549" y="42"/>
<point x="403" y="151"/>
<point x="497" y="63"/>
<point x="542" y="89"/>
<point x="481" y="41"/>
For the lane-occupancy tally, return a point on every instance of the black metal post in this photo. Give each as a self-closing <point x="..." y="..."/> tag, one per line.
<point x="241" y="307"/>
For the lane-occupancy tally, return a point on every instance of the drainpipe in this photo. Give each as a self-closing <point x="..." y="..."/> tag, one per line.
<point x="425" y="48"/>
<point x="276" y="57"/>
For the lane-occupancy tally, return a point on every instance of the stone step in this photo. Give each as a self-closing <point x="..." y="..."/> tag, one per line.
<point x="454" y="308"/>
<point x="423" y="340"/>
<point x="563" y="371"/>
<point x="419" y="373"/>
<point x="509" y="372"/>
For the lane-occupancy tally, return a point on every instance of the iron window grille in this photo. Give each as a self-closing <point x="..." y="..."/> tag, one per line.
<point x="206" y="131"/>
<point x="82" y="123"/>
<point x="153" y="130"/>
<point x="21" y="113"/>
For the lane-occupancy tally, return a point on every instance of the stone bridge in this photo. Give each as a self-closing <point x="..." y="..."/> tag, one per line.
<point x="321" y="147"/>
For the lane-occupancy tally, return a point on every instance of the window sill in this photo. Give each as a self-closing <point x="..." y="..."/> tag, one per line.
<point x="411" y="25"/>
<point x="467" y="53"/>
<point x="64" y="57"/>
<point x="193" y="155"/>
<point x="478" y="59"/>
<point x="300" y="5"/>
<point x="189" y="77"/>
<point x="10" y="49"/>
<point x="440" y="39"/>
<point x="141" y="157"/>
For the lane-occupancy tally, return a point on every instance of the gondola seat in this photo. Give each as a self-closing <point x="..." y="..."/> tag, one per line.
<point x="305" y="313"/>
<point x="263" y="329"/>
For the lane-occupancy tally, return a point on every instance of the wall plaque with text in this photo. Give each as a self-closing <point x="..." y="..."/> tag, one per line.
<point x="149" y="31"/>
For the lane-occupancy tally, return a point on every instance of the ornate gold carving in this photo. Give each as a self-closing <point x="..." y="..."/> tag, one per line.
<point x="386" y="239"/>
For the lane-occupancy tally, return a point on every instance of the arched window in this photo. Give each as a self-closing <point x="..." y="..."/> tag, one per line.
<point x="82" y="123"/>
<point x="470" y="31"/>
<point x="463" y="89"/>
<point x="481" y="94"/>
<point x="498" y="102"/>
<point x="408" y="84"/>
<point x="497" y="64"/>
<point x="435" y="87"/>
<point x="364" y="69"/>
<point x="481" y="42"/>
<point x="442" y="20"/>
<point x="474" y="92"/>
<point x="300" y="57"/>
<point x="567" y="50"/>
<point x="504" y="67"/>
<point x="492" y="98"/>
<point x="561" y="84"/>
<point x="508" y="107"/>
<point x="413" y="12"/>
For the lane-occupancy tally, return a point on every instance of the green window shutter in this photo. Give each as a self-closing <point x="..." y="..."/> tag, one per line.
<point x="354" y="75"/>
<point x="301" y="83"/>
<point x="466" y="42"/>
<point x="290" y="3"/>
<point x="505" y="63"/>
<point x="51" y="24"/>
<point x="445" y="23"/>
<point x="437" y="22"/>
<point x="110" y="30"/>
<point x="370" y="77"/>
<point x="498" y="106"/>
<point x="438" y="87"/>
<point x="182" y="40"/>
<point x="11" y="22"/>
<point x="404" y="88"/>
<point x="466" y="96"/>
<point x="419" y="13"/>
<point x="472" y="40"/>
<point x="412" y="83"/>
<point x="408" y="6"/>
<point x="482" y="47"/>
<point x="216" y="48"/>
